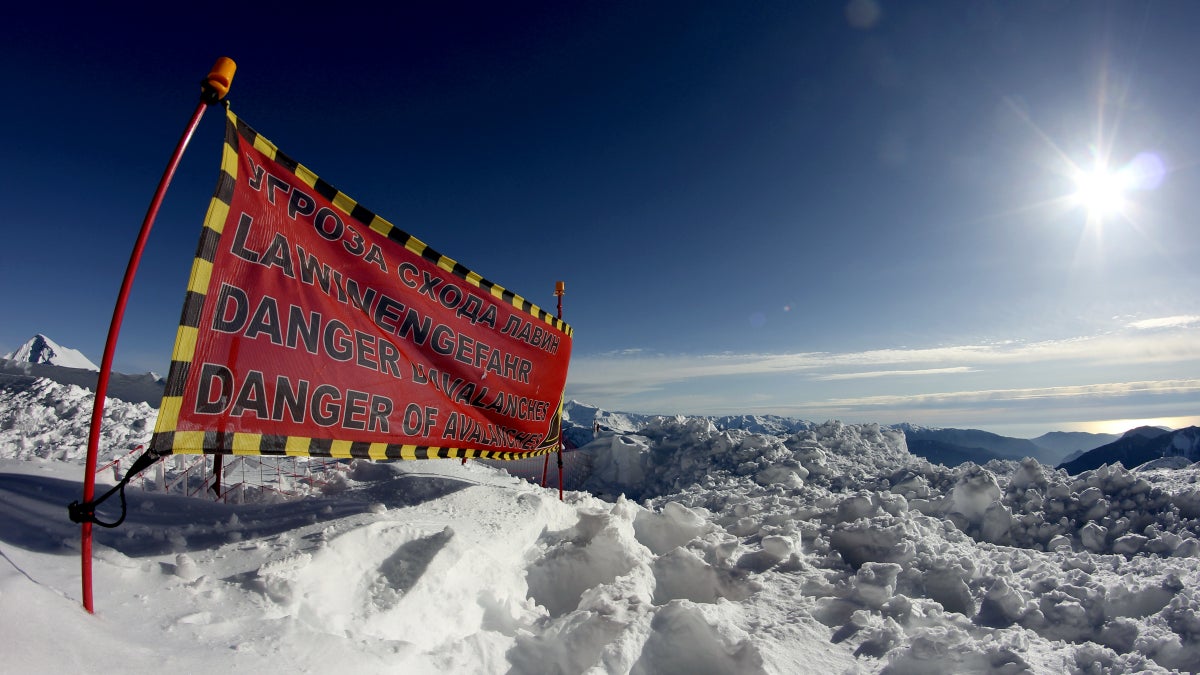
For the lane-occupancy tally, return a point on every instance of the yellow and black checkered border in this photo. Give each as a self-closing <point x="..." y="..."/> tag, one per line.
<point x="167" y="440"/>
<point x="216" y="443"/>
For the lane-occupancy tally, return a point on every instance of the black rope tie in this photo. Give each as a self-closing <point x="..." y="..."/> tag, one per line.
<point x="86" y="512"/>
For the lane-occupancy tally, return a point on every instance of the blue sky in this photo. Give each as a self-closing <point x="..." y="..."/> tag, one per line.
<point x="854" y="210"/>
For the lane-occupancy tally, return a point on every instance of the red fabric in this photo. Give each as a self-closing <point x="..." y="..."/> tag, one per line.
<point x="317" y="326"/>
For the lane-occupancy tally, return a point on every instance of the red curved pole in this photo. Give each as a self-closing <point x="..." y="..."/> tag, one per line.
<point x="110" y="346"/>
<point x="216" y="85"/>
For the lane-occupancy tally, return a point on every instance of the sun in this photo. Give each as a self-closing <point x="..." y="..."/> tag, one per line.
<point x="1103" y="193"/>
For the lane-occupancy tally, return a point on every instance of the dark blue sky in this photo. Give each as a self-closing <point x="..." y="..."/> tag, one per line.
<point x="855" y="210"/>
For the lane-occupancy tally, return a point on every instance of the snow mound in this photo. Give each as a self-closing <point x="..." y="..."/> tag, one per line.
<point x="43" y="419"/>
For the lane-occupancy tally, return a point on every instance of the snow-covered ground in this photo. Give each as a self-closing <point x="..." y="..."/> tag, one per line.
<point x="826" y="548"/>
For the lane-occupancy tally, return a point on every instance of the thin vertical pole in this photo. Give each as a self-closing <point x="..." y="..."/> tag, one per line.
<point x="214" y="88"/>
<point x="218" y="464"/>
<point x="560" y="289"/>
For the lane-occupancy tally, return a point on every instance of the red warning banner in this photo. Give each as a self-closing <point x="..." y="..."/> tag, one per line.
<point x="315" y="327"/>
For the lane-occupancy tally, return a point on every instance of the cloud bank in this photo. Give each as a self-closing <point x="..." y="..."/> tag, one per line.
<point x="1154" y="361"/>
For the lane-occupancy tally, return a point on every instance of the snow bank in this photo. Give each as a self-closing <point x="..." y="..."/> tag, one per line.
<point x="694" y="548"/>
<point x="40" y="418"/>
<point x="1012" y="566"/>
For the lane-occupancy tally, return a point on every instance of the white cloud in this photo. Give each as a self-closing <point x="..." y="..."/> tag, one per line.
<point x="892" y="373"/>
<point x="1103" y="390"/>
<point x="1166" y="322"/>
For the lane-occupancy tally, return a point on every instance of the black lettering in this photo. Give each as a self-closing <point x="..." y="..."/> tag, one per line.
<point x="381" y="408"/>
<point x="443" y="340"/>
<point x="300" y="203"/>
<point x="291" y="400"/>
<point x="497" y="404"/>
<point x="464" y="395"/>
<point x="298" y="328"/>
<point x="256" y="174"/>
<point x="312" y="269"/>
<point x="230" y="296"/>
<point x="336" y="340"/>
<point x="266" y="320"/>
<point x="412" y="421"/>
<point x="455" y="294"/>
<point x="325" y="410"/>
<point x="389" y="358"/>
<point x="212" y="400"/>
<point x="429" y="284"/>
<point x="408" y="274"/>
<point x="482" y="350"/>
<point x="451" y="430"/>
<point x="360" y="299"/>
<point x="512" y="325"/>
<point x="470" y="309"/>
<point x="387" y="311"/>
<point x="375" y="255"/>
<point x="365" y="349"/>
<point x="328" y="224"/>
<point x="463" y="353"/>
<point x="279" y="255"/>
<point x="448" y="386"/>
<point x="339" y="287"/>
<point x="251" y="397"/>
<point x="524" y="333"/>
<point x="489" y="317"/>
<point x="274" y="185"/>
<point x="416" y="326"/>
<point x="354" y="243"/>
<point x="238" y="248"/>
<point x="493" y="363"/>
<point x="356" y="405"/>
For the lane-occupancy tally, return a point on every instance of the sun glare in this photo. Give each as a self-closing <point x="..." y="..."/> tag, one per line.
<point x="1101" y="192"/>
<point x="1122" y="425"/>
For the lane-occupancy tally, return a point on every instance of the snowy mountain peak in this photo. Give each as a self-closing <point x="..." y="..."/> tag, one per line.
<point x="41" y="349"/>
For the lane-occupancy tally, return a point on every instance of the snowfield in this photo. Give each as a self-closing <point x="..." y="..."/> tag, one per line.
<point x="810" y="548"/>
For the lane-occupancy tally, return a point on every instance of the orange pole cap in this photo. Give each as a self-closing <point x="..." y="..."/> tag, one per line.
<point x="560" y="288"/>
<point x="221" y="77"/>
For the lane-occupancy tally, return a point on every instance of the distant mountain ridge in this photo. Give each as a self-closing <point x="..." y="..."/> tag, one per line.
<point x="1070" y="442"/>
<point x="1138" y="446"/>
<point x="972" y="442"/>
<point x="949" y="454"/>
<point x="943" y="446"/>
<point x="947" y="445"/>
